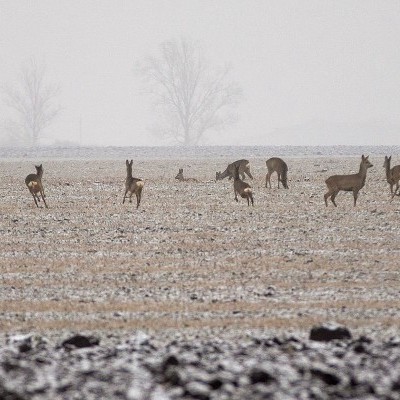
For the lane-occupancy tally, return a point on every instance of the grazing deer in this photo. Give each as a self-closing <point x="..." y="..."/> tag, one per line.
<point x="35" y="186"/>
<point x="181" y="178"/>
<point x="349" y="183"/>
<point x="242" y="165"/>
<point x="242" y="188"/>
<point x="132" y="185"/>
<point x="279" y="166"/>
<point x="392" y="175"/>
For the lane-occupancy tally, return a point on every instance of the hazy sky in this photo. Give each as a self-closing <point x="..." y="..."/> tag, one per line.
<point x="312" y="72"/>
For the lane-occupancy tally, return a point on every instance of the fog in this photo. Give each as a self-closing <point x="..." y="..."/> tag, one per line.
<point x="312" y="72"/>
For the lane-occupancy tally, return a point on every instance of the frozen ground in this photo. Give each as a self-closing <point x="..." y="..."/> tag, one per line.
<point x="191" y="259"/>
<point x="191" y="256"/>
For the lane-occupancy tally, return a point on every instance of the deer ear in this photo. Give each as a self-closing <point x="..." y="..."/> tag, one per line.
<point x="131" y="162"/>
<point x="127" y="162"/>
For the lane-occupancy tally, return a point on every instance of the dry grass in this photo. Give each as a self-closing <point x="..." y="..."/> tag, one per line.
<point x="266" y="305"/>
<point x="159" y="324"/>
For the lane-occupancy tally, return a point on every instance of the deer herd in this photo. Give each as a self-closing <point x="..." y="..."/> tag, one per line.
<point x="238" y="171"/>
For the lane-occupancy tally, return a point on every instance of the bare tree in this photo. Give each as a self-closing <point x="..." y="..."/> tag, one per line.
<point x="190" y="97"/>
<point x="32" y="104"/>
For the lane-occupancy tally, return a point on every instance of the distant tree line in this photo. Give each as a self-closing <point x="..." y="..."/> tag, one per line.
<point x="190" y="99"/>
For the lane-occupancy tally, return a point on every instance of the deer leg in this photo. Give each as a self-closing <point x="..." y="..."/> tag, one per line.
<point x="268" y="180"/>
<point x="123" y="200"/>
<point x="235" y="195"/>
<point x="252" y="201"/>
<point x="397" y="187"/>
<point x="333" y="198"/>
<point x="130" y="197"/>
<point x="327" y="195"/>
<point x="332" y="194"/>
<point x="44" y="201"/>
<point x="395" y="191"/>
<point x="34" y="198"/>
<point x="138" y="198"/>
<point x="355" y="195"/>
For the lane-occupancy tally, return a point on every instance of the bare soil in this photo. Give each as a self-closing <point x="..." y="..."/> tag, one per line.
<point x="191" y="258"/>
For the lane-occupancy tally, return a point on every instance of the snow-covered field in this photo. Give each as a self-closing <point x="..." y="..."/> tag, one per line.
<point x="191" y="257"/>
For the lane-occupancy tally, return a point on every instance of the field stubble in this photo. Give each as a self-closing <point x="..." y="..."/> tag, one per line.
<point x="191" y="257"/>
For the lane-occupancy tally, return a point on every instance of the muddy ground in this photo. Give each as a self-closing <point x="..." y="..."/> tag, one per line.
<point x="191" y="258"/>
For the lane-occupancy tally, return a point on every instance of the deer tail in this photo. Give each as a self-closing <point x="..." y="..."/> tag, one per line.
<point x="32" y="184"/>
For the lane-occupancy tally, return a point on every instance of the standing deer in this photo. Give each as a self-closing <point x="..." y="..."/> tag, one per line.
<point x="242" y="188"/>
<point x="349" y="183"/>
<point x="243" y="166"/>
<point x="392" y="175"/>
<point x="132" y="185"/>
<point x="35" y="186"/>
<point x="279" y="166"/>
<point x="181" y="178"/>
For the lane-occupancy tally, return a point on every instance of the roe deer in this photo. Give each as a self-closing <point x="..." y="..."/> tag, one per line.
<point x="243" y="165"/>
<point x="349" y="183"/>
<point x="392" y="175"/>
<point x="132" y="185"/>
<point x="35" y="186"/>
<point x="242" y="188"/>
<point x="181" y="178"/>
<point x="279" y="166"/>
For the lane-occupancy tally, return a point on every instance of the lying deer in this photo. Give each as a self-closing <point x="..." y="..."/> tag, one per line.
<point x="244" y="168"/>
<point x="132" y="185"/>
<point x="392" y="175"/>
<point x="279" y="166"/>
<point x="181" y="178"/>
<point x="349" y="183"/>
<point x="35" y="185"/>
<point x="242" y="188"/>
